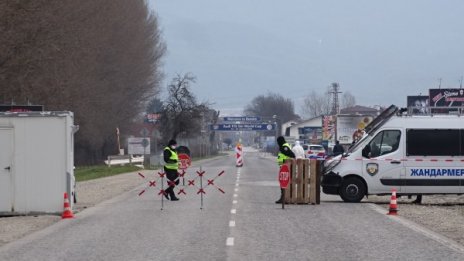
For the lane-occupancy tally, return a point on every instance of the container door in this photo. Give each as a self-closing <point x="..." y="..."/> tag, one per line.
<point x="6" y="170"/>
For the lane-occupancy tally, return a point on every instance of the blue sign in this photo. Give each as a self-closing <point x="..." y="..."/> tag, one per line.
<point x="242" y="118"/>
<point x="242" y="127"/>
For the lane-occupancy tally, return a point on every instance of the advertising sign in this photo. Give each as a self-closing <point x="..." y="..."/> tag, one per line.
<point x="351" y="128"/>
<point x="418" y="104"/>
<point x="328" y="129"/>
<point x="138" y="146"/>
<point x="242" y="118"/>
<point x="446" y="97"/>
<point x="284" y="176"/>
<point x="242" y="127"/>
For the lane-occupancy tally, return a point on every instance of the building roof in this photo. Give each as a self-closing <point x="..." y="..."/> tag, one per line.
<point x="358" y="109"/>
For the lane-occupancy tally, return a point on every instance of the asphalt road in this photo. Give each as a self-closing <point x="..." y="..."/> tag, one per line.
<point x="242" y="224"/>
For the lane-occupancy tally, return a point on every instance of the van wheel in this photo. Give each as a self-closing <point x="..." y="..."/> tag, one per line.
<point x="352" y="190"/>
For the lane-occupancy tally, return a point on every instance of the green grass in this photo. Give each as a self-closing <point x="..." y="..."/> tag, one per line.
<point x="100" y="171"/>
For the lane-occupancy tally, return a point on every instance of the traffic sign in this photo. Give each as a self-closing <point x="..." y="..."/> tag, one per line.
<point x="184" y="161"/>
<point x="242" y="118"/>
<point x="243" y="127"/>
<point x="284" y="176"/>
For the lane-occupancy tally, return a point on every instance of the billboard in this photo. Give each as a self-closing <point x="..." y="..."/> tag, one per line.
<point x="446" y="97"/>
<point x="419" y="104"/>
<point x="328" y="130"/>
<point x="351" y="127"/>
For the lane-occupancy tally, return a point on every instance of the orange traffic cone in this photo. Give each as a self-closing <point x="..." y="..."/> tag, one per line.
<point x="393" y="205"/>
<point x="67" y="213"/>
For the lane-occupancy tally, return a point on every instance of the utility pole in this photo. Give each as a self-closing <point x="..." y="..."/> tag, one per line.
<point x="335" y="102"/>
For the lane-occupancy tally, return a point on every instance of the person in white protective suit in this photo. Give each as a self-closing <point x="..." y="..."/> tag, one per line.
<point x="298" y="150"/>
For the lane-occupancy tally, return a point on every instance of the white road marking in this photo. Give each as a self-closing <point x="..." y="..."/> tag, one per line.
<point x="236" y="189"/>
<point x="232" y="223"/>
<point x="230" y="241"/>
<point x="416" y="227"/>
<point x="234" y="202"/>
<point x="236" y="184"/>
<point x="235" y="195"/>
<point x="233" y="211"/>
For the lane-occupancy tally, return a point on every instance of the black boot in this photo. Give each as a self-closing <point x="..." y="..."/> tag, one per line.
<point x="279" y="201"/>
<point x="173" y="196"/>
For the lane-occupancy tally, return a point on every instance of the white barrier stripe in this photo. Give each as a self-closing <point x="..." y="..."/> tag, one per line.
<point x="418" y="160"/>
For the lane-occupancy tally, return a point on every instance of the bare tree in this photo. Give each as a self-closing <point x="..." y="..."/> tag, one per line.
<point x="99" y="59"/>
<point x="181" y="111"/>
<point x="270" y="105"/>
<point x="348" y="100"/>
<point x="317" y="104"/>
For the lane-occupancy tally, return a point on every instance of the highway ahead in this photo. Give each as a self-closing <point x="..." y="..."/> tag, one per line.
<point x="242" y="224"/>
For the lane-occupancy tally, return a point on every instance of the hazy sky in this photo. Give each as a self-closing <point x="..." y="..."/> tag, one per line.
<point x="380" y="51"/>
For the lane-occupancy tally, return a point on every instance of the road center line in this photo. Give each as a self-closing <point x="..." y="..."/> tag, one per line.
<point x="232" y="223"/>
<point x="230" y="241"/>
<point x="234" y="202"/>
<point x="233" y="211"/>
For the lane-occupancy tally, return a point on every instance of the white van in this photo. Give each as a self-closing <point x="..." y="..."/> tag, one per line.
<point x="413" y="154"/>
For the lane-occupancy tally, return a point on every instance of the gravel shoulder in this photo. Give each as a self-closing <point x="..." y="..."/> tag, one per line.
<point x="439" y="213"/>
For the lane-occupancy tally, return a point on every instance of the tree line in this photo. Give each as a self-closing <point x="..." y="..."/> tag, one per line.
<point x="99" y="59"/>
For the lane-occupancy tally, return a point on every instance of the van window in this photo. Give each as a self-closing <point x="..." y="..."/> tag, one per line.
<point x="433" y="142"/>
<point x="384" y="142"/>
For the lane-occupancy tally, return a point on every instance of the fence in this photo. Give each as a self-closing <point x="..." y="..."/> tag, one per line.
<point x="304" y="187"/>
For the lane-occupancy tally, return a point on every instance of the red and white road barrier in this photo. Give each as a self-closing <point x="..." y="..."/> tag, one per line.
<point x="238" y="153"/>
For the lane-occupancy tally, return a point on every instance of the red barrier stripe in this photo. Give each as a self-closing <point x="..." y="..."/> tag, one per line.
<point x="449" y="160"/>
<point x="141" y="192"/>
<point x="200" y="173"/>
<point x="152" y="183"/>
<point x="434" y="160"/>
<point x="222" y="172"/>
<point x="141" y="175"/>
<point x="161" y="174"/>
<point x="191" y="182"/>
<point x="419" y="159"/>
<point x="210" y="182"/>
<point x="221" y="191"/>
<point x="181" y="191"/>
<point x="161" y="192"/>
<point x="201" y="191"/>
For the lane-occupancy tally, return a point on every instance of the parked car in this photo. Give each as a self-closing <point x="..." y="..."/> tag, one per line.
<point x="315" y="151"/>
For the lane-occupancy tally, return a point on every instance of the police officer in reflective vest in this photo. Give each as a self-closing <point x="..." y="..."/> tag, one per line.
<point x="285" y="152"/>
<point x="170" y="168"/>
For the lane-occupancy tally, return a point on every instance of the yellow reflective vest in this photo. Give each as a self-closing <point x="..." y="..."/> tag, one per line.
<point x="173" y="157"/>
<point x="282" y="157"/>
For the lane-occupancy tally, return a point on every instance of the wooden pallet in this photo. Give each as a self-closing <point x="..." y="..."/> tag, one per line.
<point x="304" y="187"/>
